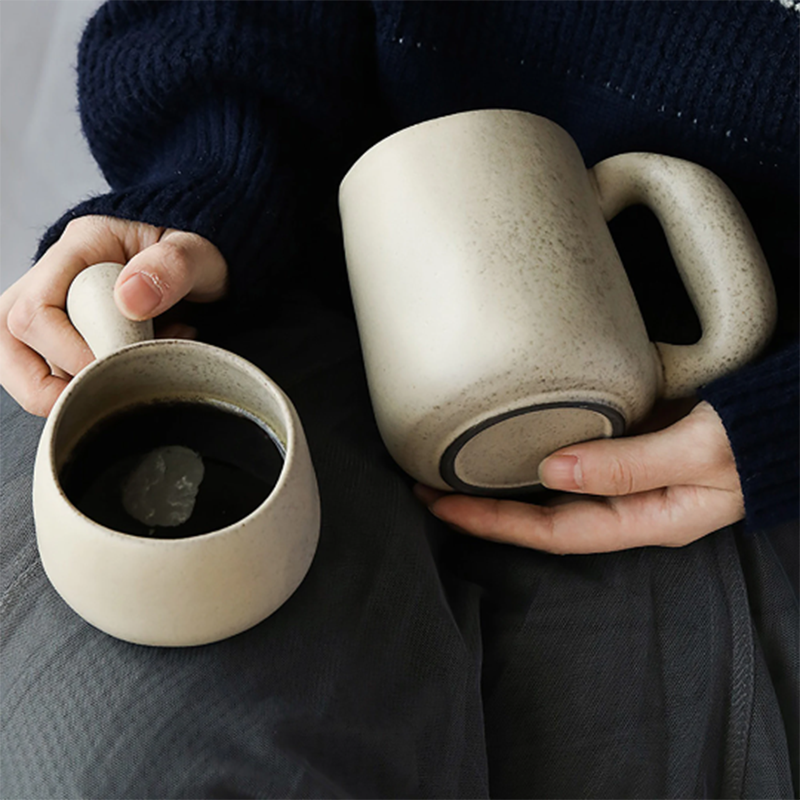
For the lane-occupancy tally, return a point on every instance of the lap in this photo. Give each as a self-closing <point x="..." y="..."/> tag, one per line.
<point x="410" y="662"/>
<point x="644" y="673"/>
<point x="339" y="693"/>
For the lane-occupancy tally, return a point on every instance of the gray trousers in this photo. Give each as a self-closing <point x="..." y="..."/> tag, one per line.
<point x="413" y="661"/>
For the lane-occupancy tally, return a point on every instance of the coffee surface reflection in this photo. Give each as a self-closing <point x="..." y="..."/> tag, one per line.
<point x="172" y="470"/>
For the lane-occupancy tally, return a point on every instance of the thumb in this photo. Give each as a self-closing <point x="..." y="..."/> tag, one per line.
<point x="179" y="265"/>
<point x="695" y="450"/>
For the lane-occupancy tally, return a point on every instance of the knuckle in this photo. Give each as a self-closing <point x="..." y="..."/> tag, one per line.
<point x="87" y="234"/>
<point x="34" y="401"/>
<point x="550" y="532"/>
<point x="176" y="264"/>
<point x="96" y="236"/>
<point x="37" y="407"/>
<point x="494" y="516"/>
<point x="704" y="427"/>
<point x="74" y="227"/>
<point x="79" y="227"/>
<point x="622" y="475"/>
<point x="136" y="236"/>
<point x="21" y="316"/>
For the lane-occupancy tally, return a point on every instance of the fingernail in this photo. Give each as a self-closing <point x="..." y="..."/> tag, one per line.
<point x="561" y="472"/>
<point x="140" y="294"/>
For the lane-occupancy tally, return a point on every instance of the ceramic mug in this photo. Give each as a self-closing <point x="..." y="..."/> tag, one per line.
<point x="171" y="592"/>
<point x="496" y="319"/>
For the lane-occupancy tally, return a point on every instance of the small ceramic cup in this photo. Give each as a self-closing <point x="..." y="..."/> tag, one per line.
<point x="170" y="592"/>
<point x="496" y="319"/>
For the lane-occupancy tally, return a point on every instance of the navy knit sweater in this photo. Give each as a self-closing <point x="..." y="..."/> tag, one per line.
<point x="237" y="121"/>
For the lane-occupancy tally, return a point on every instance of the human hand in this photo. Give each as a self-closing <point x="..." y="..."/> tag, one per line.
<point x="666" y="488"/>
<point x="39" y="348"/>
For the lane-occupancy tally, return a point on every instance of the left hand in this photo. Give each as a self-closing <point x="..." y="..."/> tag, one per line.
<point x="664" y="488"/>
<point x="40" y="349"/>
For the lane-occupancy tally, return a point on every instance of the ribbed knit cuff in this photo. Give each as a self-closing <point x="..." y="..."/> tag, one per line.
<point x="760" y="408"/>
<point x="246" y="208"/>
<point x="252" y="264"/>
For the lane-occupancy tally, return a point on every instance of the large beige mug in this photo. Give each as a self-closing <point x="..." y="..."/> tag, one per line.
<point x="496" y="319"/>
<point x="169" y="591"/>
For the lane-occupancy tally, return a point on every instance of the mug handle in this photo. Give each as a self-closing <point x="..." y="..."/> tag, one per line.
<point x="717" y="255"/>
<point x="92" y="310"/>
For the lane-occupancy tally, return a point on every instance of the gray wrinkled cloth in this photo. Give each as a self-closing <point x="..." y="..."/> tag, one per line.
<point x="412" y="662"/>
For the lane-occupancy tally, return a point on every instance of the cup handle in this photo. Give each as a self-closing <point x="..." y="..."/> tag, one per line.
<point x="716" y="253"/>
<point x="93" y="311"/>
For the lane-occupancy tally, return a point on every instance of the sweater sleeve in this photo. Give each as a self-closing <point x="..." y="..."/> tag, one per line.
<point x="231" y="120"/>
<point x="759" y="409"/>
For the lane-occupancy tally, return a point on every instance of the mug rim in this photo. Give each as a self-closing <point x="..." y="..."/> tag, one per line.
<point x="283" y="403"/>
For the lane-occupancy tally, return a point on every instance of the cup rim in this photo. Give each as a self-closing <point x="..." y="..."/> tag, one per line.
<point x="287" y="415"/>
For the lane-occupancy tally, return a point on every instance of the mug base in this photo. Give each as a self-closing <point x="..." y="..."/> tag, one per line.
<point x="501" y="455"/>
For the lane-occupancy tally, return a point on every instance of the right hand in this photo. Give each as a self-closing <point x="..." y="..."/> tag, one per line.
<point x="40" y="350"/>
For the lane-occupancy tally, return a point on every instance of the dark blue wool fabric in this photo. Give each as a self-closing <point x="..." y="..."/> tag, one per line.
<point x="237" y="121"/>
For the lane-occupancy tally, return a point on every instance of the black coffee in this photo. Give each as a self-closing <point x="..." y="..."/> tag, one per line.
<point x="172" y="469"/>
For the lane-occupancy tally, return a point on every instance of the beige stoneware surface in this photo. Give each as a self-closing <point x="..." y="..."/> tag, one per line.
<point x="182" y="591"/>
<point x="485" y="280"/>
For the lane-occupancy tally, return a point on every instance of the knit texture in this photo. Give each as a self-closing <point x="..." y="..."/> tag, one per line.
<point x="768" y="473"/>
<point x="237" y="121"/>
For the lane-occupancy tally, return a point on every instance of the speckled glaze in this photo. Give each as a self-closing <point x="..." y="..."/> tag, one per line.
<point x="492" y="305"/>
<point x="159" y="591"/>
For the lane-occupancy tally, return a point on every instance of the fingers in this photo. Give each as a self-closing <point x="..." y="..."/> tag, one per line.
<point x="27" y="377"/>
<point x="670" y="517"/>
<point x="666" y="488"/>
<point x="693" y="451"/>
<point x="40" y="349"/>
<point x="32" y="312"/>
<point x="179" y="265"/>
<point x="44" y="328"/>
